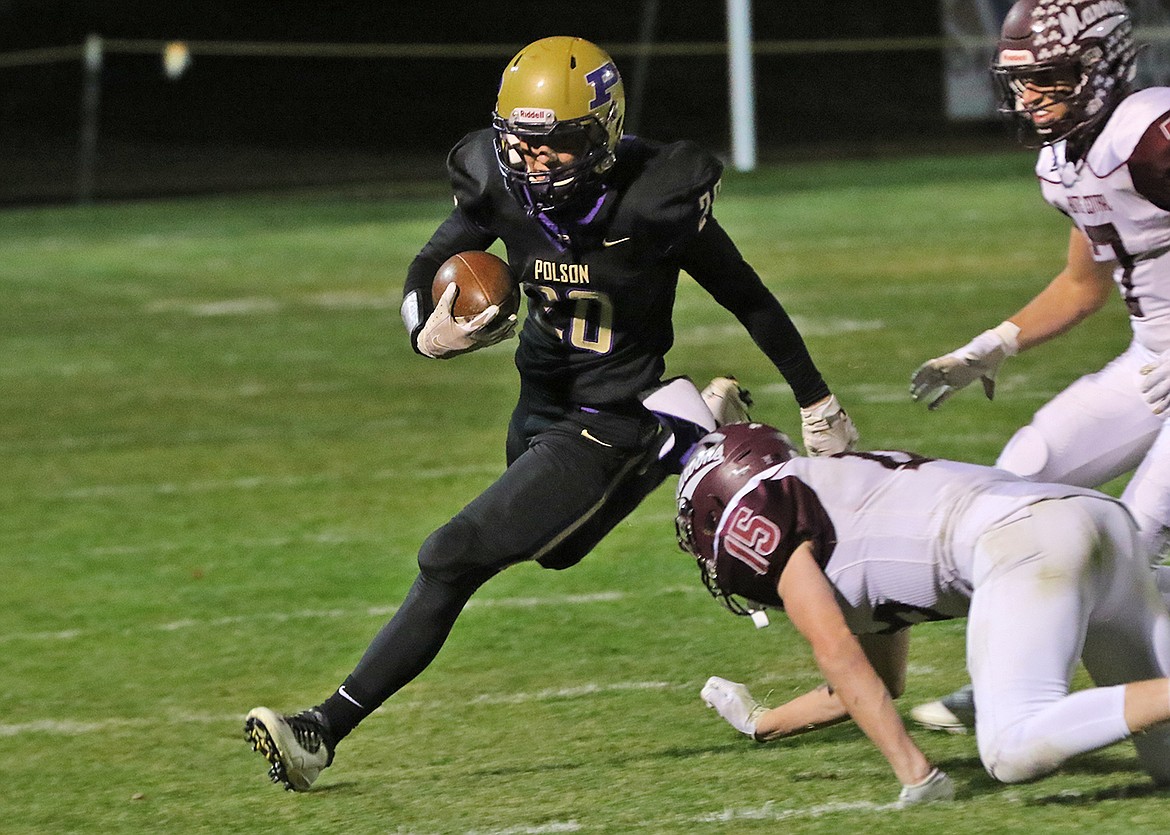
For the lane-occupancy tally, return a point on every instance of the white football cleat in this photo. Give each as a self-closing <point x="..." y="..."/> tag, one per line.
<point x="727" y="400"/>
<point x="298" y="748"/>
<point x="953" y="713"/>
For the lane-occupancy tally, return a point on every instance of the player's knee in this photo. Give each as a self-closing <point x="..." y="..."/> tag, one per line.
<point x="1026" y="454"/>
<point x="453" y="551"/>
<point x="1010" y="760"/>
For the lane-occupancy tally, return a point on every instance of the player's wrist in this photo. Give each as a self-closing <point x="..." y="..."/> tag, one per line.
<point x="415" y="312"/>
<point x="990" y="347"/>
<point x="1008" y="333"/>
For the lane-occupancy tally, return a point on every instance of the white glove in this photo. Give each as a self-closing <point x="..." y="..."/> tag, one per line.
<point x="937" y="786"/>
<point x="443" y="336"/>
<point x="734" y="703"/>
<point x="937" y="379"/>
<point x="1155" y="383"/>
<point x="826" y="429"/>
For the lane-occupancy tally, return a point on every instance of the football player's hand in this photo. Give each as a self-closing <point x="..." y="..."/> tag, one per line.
<point x="937" y="379"/>
<point x="937" y="786"/>
<point x="734" y="703"/>
<point x="826" y="429"/>
<point x="443" y="336"/>
<point x="1155" y="383"/>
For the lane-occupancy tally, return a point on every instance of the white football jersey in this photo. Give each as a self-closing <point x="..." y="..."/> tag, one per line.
<point x="1119" y="196"/>
<point x="895" y="533"/>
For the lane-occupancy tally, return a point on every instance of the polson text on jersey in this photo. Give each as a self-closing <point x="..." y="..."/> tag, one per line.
<point x="564" y="273"/>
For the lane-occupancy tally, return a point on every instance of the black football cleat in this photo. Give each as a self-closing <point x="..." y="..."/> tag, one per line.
<point x="298" y="748"/>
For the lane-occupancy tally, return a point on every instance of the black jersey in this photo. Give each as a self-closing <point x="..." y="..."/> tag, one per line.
<point x="601" y="278"/>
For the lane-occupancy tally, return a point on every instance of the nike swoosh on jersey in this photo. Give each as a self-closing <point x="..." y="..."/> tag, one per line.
<point x="593" y="438"/>
<point x="615" y="243"/>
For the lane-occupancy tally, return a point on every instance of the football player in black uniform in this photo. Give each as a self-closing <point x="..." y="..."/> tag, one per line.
<point x="597" y="226"/>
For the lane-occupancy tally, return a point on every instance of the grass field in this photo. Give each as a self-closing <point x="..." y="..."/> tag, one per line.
<point x="220" y="457"/>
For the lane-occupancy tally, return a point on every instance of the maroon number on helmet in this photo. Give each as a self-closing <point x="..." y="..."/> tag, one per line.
<point x="751" y="539"/>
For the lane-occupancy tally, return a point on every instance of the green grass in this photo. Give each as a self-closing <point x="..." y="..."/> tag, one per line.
<point x="220" y="457"/>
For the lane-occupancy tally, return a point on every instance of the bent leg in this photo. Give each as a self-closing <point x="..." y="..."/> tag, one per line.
<point x="1148" y="497"/>
<point x="1037" y="581"/>
<point x="1095" y="430"/>
<point x="1128" y="640"/>
<point x="551" y="491"/>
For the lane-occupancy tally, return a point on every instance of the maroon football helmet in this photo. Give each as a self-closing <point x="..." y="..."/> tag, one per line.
<point x="719" y="465"/>
<point x="1080" y="50"/>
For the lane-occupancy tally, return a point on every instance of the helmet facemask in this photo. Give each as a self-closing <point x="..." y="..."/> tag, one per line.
<point x="684" y="524"/>
<point x="586" y="139"/>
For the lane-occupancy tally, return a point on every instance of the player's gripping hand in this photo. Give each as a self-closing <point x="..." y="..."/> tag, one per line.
<point x="937" y="379"/>
<point x="1155" y="383"/>
<point x="443" y="336"/>
<point x="937" y="786"/>
<point x="734" y="703"/>
<point x="826" y="429"/>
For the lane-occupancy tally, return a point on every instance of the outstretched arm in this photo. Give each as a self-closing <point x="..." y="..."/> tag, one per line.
<point x="1077" y="291"/>
<point x="821" y="707"/>
<point x="812" y="607"/>
<point x="713" y="260"/>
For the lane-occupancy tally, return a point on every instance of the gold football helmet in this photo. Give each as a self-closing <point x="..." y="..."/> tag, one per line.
<point x="566" y="94"/>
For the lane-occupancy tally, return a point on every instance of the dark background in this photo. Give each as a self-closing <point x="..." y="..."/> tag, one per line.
<point x="247" y="122"/>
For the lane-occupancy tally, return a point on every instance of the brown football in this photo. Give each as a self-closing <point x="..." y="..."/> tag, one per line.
<point x="483" y="280"/>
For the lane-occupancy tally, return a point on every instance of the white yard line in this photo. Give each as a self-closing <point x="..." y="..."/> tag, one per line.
<point x="770" y="812"/>
<point x="77" y="727"/>
<point x="333" y="614"/>
<point x="249" y="483"/>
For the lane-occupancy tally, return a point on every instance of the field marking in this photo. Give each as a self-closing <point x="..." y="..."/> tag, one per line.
<point x="168" y="488"/>
<point x="251" y="305"/>
<point x="78" y="727"/>
<point x="769" y="812"/>
<point x="557" y="693"/>
<point x="332" y="614"/>
<point x="719" y="334"/>
<point x="531" y="829"/>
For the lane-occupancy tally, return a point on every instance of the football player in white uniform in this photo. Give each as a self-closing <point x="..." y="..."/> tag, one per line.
<point x="858" y="547"/>
<point x="1065" y="70"/>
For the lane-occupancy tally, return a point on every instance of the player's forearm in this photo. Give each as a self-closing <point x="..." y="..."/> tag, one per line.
<point x="810" y="711"/>
<point x="1056" y="309"/>
<point x="1078" y="291"/>
<point x="866" y="699"/>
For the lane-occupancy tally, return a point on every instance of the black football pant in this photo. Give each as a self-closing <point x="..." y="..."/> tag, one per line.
<point x="572" y="476"/>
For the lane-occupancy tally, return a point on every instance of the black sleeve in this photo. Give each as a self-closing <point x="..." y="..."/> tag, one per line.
<point x="713" y="260"/>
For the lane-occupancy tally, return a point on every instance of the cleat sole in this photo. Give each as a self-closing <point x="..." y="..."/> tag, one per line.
<point x="262" y="743"/>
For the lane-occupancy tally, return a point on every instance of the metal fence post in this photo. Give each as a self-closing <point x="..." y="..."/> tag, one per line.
<point x="91" y="94"/>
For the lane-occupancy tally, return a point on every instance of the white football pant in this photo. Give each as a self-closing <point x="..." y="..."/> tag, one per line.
<point x="1095" y="430"/>
<point x="1068" y="581"/>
